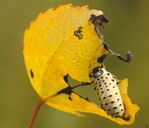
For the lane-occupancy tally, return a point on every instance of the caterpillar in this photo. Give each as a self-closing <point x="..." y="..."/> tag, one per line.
<point x="108" y="91"/>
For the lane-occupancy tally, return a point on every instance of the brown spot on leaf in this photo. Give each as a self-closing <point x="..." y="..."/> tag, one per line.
<point x="78" y="33"/>
<point x="126" y="118"/>
<point x="31" y="73"/>
<point x="70" y="98"/>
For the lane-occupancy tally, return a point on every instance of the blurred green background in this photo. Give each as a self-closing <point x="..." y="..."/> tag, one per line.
<point x="128" y="30"/>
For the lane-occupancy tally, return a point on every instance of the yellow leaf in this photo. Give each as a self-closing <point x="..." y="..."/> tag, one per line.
<point x="52" y="50"/>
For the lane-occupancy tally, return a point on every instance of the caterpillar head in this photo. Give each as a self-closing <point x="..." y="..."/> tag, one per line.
<point x="97" y="71"/>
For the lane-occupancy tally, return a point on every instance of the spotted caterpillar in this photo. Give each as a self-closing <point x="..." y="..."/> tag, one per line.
<point x="107" y="88"/>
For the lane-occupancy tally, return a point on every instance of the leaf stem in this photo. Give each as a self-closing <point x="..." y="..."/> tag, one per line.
<point x="35" y="114"/>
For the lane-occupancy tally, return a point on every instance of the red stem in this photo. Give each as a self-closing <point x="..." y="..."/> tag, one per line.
<point x="35" y="114"/>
